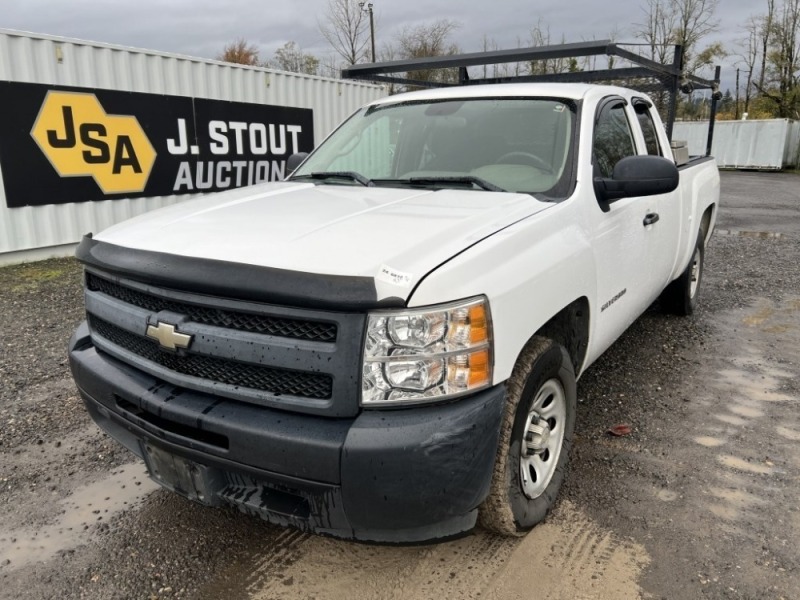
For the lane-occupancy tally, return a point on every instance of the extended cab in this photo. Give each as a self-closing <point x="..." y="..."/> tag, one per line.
<point x="386" y="345"/>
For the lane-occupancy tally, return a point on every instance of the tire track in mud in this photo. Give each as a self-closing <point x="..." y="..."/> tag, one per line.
<point x="571" y="557"/>
<point x="334" y="569"/>
<point x="755" y="416"/>
<point x="267" y="561"/>
<point x="582" y="562"/>
<point x="288" y="547"/>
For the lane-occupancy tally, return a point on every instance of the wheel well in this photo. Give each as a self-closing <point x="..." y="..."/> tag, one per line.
<point x="570" y="328"/>
<point x="705" y="222"/>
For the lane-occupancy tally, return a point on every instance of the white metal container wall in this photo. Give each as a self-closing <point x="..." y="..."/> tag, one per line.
<point x="35" y="58"/>
<point x="757" y="144"/>
<point x="791" y="157"/>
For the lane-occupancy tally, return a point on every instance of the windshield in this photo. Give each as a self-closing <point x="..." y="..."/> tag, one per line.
<point x="508" y="144"/>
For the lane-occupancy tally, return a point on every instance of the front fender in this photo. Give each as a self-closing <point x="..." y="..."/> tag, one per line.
<point x="529" y="272"/>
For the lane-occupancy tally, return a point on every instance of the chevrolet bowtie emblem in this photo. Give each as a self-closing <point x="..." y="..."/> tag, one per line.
<point x="167" y="336"/>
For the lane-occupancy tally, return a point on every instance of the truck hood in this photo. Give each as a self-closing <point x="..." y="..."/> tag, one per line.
<point x="394" y="235"/>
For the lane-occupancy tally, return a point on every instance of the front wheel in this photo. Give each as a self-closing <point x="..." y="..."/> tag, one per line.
<point x="535" y="439"/>
<point x="680" y="296"/>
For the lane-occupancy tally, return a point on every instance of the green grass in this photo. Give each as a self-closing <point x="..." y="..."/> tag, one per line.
<point x="31" y="276"/>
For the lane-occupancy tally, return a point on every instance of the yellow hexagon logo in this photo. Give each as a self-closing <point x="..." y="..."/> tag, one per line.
<point x="81" y="140"/>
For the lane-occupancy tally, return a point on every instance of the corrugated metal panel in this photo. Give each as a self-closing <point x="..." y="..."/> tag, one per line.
<point x="791" y="157"/>
<point x="45" y="59"/>
<point x="739" y="144"/>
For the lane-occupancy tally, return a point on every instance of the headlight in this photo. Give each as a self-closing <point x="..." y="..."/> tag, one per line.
<point x="427" y="354"/>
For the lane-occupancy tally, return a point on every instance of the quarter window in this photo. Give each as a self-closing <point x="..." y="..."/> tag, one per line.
<point x="648" y="127"/>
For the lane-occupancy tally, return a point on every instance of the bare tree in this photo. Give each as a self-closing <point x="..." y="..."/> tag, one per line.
<point x="658" y="29"/>
<point x="684" y="22"/>
<point x="765" y="31"/>
<point x="514" y="69"/>
<point x="240" y="52"/>
<point x="429" y="40"/>
<point x="540" y="36"/>
<point x="329" y="66"/>
<point x="346" y="29"/>
<point x="489" y="45"/>
<point x="388" y="52"/>
<point x="694" y="20"/>
<point x="613" y="35"/>
<point x="784" y="61"/>
<point x="290" y="57"/>
<point x="749" y="55"/>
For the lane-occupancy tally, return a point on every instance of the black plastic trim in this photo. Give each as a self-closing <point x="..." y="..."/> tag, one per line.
<point x="421" y="466"/>
<point x="235" y="280"/>
<point x="694" y="161"/>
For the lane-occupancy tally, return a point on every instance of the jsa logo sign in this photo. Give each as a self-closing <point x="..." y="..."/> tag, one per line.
<point x="80" y="139"/>
<point x="60" y="145"/>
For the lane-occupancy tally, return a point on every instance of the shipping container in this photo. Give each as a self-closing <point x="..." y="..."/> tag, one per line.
<point x="46" y="205"/>
<point x="768" y="145"/>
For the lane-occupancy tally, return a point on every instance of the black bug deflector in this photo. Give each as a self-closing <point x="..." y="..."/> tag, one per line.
<point x="235" y="280"/>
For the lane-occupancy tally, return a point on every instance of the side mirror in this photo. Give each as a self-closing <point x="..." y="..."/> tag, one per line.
<point x="638" y="176"/>
<point x="294" y="161"/>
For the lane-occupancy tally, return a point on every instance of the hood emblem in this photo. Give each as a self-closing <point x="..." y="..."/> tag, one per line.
<point x="167" y="336"/>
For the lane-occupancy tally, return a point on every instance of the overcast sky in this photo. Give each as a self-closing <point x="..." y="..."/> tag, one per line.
<point x="203" y="27"/>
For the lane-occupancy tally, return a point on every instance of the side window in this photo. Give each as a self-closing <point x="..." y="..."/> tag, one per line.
<point x="612" y="138"/>
<point x="645" y="120"/>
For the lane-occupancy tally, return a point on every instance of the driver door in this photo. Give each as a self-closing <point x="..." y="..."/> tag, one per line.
<point x="622" y="240"/>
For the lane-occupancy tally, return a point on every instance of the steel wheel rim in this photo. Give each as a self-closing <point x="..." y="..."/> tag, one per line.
<point x="694" y="275"/>
<point x="537" y="470"/>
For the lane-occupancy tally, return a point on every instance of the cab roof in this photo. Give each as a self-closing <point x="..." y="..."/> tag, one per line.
<point x="571" y="91"/>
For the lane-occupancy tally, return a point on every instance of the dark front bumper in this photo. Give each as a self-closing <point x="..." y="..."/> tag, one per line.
<point x="392" y="476"/>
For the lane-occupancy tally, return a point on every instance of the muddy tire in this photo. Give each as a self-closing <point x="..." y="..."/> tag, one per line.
<point x="535" y="439"/>
<point x="680" y="296"/>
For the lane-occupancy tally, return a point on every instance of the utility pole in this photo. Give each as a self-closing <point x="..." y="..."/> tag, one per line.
<point x="368" y="9"/>
<point x="736" y="112"/>
<point x="746" y="94"/>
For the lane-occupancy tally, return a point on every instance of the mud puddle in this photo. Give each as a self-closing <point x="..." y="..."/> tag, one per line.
<point x="571" y="556"/>
<point x="87" y="506"/>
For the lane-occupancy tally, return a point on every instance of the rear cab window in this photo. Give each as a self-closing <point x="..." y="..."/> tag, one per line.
<point x="647" y="126"/>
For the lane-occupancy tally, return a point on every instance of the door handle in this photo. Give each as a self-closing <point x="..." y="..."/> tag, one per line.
<point x="650" y="218"/>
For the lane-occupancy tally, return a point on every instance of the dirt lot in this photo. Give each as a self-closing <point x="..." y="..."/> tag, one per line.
<point x="701" y="500"/>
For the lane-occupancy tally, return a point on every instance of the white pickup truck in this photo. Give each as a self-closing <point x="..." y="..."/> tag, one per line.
<point x="385" y="346"/>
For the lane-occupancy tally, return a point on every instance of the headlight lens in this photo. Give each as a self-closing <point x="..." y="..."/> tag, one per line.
<point x="426" y="355"/>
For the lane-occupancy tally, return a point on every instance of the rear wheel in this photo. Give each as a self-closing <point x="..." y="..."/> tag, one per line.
<point x="535" y="439"/>
<point x="680" y="296"/>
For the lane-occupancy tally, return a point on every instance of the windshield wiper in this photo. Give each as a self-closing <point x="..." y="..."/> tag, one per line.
<point x="352" y="175"/>
<point x="457" y="179"/>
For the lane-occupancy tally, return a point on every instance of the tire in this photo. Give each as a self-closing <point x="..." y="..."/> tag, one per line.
<point x="515" y="503"/>
<point x="680" y="296"/>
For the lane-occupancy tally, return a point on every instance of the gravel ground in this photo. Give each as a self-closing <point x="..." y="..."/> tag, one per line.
<point x="700" y="500"/>
<point x="45" y="439"/>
